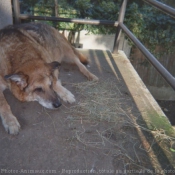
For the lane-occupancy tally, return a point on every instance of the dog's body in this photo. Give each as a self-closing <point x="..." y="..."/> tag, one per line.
<point x="30" y="55"/>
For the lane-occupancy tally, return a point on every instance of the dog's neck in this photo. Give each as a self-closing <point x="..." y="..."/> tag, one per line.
<point x="31" y="66"/>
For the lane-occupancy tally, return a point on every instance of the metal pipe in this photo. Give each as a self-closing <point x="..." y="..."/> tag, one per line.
<point x="16" y="11"/>
<point x="160" y="68"/>
<point x="122" y="11"/>
<point x="72" y="20"/>
<point x="165" y="8"/>
<point x="119" y="31"/>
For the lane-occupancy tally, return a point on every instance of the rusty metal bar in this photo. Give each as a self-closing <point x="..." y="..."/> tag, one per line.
<point x="165" y="8"/>
<point x="160" y="68"/>
<point x="72" y="20"/>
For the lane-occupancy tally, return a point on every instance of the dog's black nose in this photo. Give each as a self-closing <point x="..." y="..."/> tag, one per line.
<point x="57" y="104"/>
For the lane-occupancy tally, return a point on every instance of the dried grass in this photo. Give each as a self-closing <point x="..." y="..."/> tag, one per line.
<point x="99" y="102"/>
<point x="104" y="102"/>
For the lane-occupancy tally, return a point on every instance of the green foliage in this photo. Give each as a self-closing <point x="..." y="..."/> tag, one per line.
<point x="90" y="9"/>
<point x="151" y="26"/>
<point x="105" y="10"/>
<point x="134" y="20"/>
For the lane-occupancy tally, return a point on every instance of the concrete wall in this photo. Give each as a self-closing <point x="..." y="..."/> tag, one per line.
<point x="100" y="42"/>
<point x="5" y="13"/>
<point x="158" y="87"/>
<point x="103" y="42"/>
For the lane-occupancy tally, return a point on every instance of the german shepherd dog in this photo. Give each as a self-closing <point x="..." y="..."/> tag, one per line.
<point x="30" y="56"/>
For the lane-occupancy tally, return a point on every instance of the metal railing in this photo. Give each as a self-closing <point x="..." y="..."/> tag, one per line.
<point x="119" y="27"/>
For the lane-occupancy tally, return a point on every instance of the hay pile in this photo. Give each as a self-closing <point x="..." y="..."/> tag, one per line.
<point x="99" y="101"/>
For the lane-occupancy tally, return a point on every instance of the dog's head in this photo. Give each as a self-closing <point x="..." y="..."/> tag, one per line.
<point x="35" y="83"/>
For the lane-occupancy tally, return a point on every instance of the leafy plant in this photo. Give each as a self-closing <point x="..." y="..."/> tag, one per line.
<point x="151" y="26"/>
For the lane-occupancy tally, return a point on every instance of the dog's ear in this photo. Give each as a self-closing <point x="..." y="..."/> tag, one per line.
<point x="54" y="65"/>
<point x="19" y="78"/>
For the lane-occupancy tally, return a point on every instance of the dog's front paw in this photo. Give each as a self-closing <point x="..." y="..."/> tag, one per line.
<point x="67" y="96"/>
<point x="12" y="126"/>
<point x="93" y="78"/>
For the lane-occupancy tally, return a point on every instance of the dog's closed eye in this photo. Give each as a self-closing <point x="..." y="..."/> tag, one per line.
<point x="39" y="89"/>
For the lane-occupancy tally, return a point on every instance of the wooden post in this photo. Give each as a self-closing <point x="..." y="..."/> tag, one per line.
<point x="56" y="8"/>
<point x="55" y="12"/>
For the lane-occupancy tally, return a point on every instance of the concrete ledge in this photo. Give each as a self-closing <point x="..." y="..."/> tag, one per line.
<point x="147" y="105"/>
<point x="150" y="111"/>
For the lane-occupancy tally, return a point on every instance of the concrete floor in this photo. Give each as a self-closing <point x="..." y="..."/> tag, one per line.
<point x="48" y="141"/>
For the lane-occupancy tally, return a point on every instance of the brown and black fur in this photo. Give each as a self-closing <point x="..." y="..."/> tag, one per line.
<point x="30" y="55"/>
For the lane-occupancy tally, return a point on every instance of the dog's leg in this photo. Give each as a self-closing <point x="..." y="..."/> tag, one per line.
<point x="64" y="94"/>
<point x="9" y="121"/>
<point x="84" y="70"/>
